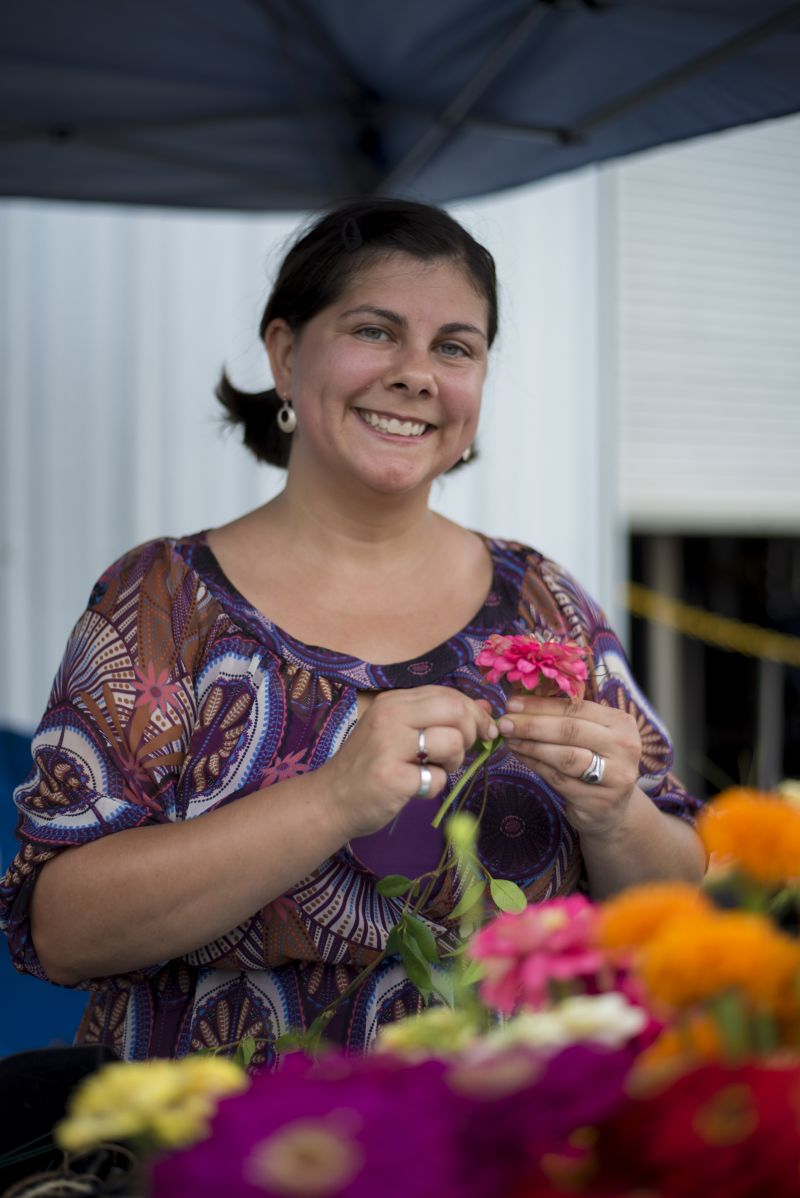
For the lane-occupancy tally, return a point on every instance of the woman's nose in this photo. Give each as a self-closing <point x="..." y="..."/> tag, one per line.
<point x="412" y="374"/>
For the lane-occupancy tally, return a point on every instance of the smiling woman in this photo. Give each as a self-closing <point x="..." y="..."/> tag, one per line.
<point x="249" y="722"/>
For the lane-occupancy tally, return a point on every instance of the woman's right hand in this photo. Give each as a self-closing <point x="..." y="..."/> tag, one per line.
<point x="376" y="771"/>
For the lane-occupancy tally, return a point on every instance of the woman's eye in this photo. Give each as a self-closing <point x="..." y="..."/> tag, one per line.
<point x="452" y="349"/>
<point x="372" y="332"/>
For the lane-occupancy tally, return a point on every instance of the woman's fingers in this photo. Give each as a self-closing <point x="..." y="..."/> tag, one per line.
<point x="561" y="740"/>
<point x="565" y="764"/>
<point x="585" y="725"/>
<point x="439" y="706"/>
<point x="378" y="768"/>
<point x="426" y="781"/>
<point x="443" y="745"/>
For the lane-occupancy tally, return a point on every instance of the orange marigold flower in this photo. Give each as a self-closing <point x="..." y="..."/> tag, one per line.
<point x="691" y="962"/>
<point x="634" y="917"/>
<point x="755" y="831"/>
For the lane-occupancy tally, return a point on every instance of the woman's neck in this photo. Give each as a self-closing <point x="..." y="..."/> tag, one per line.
<point x="331" y="524"/>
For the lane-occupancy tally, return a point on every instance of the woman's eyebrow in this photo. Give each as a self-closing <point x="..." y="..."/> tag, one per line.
<point x="457" y="327"/>
<point x="386" y="313"/>
<point x="401" y="322"/>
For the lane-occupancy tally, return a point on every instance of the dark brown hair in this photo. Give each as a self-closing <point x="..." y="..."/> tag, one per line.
<point x="318" y="268"/>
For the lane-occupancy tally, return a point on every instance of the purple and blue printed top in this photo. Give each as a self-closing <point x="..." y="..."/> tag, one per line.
<point x="175" y="696"/>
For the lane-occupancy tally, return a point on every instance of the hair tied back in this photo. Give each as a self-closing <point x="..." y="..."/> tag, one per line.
<point x="351" y="235"/>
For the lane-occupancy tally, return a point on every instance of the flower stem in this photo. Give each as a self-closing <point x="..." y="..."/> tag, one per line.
<point x="489" y="747"/>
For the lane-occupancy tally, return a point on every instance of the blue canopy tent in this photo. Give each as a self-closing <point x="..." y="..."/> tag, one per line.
<point x="286" y="104"/>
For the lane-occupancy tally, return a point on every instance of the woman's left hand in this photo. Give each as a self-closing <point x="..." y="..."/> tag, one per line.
<point x="558" y="738"/>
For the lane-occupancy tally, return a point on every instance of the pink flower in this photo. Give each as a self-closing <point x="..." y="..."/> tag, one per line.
<point x="525" y="659"/>
<point x="157" y="693"/>
<point x="524" y="953"/>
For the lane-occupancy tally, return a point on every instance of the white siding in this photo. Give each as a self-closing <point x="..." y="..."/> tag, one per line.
<point x="709" y="332"/>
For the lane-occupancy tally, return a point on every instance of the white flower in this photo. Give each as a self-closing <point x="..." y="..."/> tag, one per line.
<point x="607" y="1019"/>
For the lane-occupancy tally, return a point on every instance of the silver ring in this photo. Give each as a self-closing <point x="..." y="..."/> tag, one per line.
<point x="422" y="752"/>
<point x="593" y="774"/>
<point x="425" y="783"/>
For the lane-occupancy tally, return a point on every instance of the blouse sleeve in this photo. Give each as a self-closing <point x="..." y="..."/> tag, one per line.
<point x="613" y="684"/>
<point x="108" y="751"/>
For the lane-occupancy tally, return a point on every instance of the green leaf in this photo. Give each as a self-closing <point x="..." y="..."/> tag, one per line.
<point x="765" y="1033"/>
<point x="472" y="972"/>
<point x="424" y="937"/>
<point x="394" y="942"/>
<point x="443" y="984"/>
<point x="417" y="968"/>
<point x="506" y="895"/>
<point x="729" y="1012"/>
<point x="289" y="1042"/>
<point x="245" y="1051"/>
<point x="393" y="885"/>
<point x="469" y="899"/>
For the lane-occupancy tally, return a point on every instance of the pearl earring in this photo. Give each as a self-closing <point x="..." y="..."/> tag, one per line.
<point x="287" y="417"/>
<point x="467" y="454"/>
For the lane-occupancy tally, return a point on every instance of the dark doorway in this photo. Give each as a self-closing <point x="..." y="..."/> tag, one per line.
<point x="735" y="717"/>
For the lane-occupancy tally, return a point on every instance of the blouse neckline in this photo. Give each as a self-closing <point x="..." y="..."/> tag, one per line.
<point x="428" y="667"/>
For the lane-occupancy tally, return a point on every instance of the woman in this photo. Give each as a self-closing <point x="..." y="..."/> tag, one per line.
<point x="196" y="677"/>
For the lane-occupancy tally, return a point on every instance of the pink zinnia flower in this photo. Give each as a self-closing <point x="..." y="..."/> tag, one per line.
<point x="523" y="953"/>
<point x="526" y="660"/>
<point x="155" y="692"/>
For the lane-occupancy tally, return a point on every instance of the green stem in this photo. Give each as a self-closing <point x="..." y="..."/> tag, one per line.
<point x="442" y="867"/>
<point x="484" y="755"/>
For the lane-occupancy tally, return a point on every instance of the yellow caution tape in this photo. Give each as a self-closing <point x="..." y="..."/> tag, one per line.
<point x="713" y="629"/>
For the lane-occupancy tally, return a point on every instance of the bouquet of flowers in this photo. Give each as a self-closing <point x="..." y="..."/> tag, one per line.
<point x="646" y="1045"/>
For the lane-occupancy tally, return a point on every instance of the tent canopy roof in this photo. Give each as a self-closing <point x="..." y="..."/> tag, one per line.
<point x="283" y="104"/>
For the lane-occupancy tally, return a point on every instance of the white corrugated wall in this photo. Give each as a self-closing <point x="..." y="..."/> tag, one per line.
<point x="709" y="332"/>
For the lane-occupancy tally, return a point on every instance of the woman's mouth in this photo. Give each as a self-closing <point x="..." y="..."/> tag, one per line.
<point x="393" y="425"/>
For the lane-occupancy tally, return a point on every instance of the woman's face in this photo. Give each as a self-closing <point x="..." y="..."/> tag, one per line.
<point x="387" y="381"/>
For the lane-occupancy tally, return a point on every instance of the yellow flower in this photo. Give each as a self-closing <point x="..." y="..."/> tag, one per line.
<point x="435" y="1032"/>
<point x="638" y="914"/>
<point x="757" y="832"/>
<point x="168" y="1102"/>
<point x="689" y="963"/>
<point x="211" y="1075"/>
<point x="182" y="1122"/>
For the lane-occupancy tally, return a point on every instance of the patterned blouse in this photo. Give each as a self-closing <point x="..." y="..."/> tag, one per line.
<point x="175" y="696"/>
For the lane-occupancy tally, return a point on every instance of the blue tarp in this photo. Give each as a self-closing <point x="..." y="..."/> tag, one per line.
<point x="33" y="1014"/>
<point x="286" y="104"/>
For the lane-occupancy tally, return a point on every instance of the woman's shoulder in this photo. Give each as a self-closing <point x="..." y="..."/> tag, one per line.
<point x="546" y="586"/>
<point x="160" y="565"/>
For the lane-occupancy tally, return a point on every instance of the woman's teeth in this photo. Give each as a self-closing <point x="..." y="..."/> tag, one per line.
<point x="397" y="428"/>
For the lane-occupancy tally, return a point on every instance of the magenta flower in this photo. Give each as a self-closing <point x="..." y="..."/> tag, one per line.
<point x="155" y="691"/>
<point x="505" y="1129"/>
<point x="523" y="954"/>
<point x="526" y="660"/>
<point x="346" y="1128"/>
